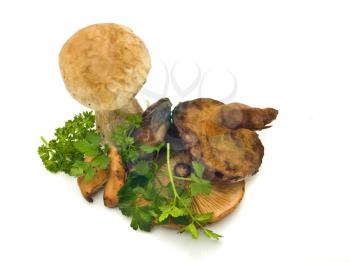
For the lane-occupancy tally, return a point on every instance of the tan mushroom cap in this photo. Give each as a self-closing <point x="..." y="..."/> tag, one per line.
<point x="221" y="201"/>
<point x="104" y="66"/>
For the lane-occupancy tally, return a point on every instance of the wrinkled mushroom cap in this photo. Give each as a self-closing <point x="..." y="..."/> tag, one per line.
<point x="223" y="136"/>
<point x="221" y="201"/>
<point x="104" y="65"/>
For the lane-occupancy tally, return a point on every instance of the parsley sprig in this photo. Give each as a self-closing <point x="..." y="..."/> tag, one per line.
<point x="73" y="142"/>
<point x="147" y="201"/>
<point x="125" y="142"/>
<point x="180" y="206"/>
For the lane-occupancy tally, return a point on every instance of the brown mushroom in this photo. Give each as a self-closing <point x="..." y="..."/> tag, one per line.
<point x="89" y="188"/>
<point x="155" y="123"/>
<point x="229" y="151"/>
<point x="103" y="67"/>
<point x="223" y="197"/>
<point x="116" y="178"/>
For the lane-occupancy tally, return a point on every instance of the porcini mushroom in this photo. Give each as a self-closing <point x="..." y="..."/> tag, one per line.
<point x="222" y="199"/>
<point x="222" y="136"/>
<point x="103" y="67"/>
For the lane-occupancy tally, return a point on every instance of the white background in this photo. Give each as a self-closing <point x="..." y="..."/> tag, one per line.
<point x="291" y="55"/>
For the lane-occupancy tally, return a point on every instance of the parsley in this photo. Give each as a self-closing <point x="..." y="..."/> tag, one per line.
<point x="73" y="142"/>
<point x="198" y="184"/>
<point x="181" y="207"/>
<point x="143" y="197"/>
<point x="125" y="142"/>
<point x="152" y="149"/>
<point x="163" y="204"/>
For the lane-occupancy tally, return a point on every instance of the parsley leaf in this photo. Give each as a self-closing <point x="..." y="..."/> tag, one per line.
<point x="122" y="137"/>
<point x="199" y="186"/>
<point x="152" y="149"/>
<point x="211" y="234"/>
<point x="192" y="229"/>
<point x="198" y="169"/>
<point x="203" y="218"/>
<point x="142" y="218"/>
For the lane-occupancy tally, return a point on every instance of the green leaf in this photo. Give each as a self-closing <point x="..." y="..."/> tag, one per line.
<point x="178" y="212"/>
<point x="93" y="139"/>
<point x="81" y="164"/>
<point x="76" y="171"/>
<point x="203" y="218"/>
<point x="199" y="186"/>
<point x="134" y="120"/>
<point x="142" y="219"/>
<point x="101" y="161"/>
<point x="127" y="200"/>
<point x="142" y="168"/>
<point x="129" y="140"/>
<point x="165" y="212"/>
<point x="191" y="228"/>
<point x="212" y="235"/>
<point x="83" y="146"/>
<point x="89" y="174"/>
<point x="151" y="149"/>
<point x="122" y="137"/>
<point x="198" y="169"/>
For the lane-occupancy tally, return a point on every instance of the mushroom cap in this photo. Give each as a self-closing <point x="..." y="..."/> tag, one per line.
<point x="155" y="123"/>
<point x="229" y="150"/>
<point x="222" y="199"/>
<point x="104" y="65"/>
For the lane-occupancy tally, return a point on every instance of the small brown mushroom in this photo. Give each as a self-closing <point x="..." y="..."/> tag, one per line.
<point x="89" y="188"/>
<point x="116" y="178"/>
<point x="103" y="67"/>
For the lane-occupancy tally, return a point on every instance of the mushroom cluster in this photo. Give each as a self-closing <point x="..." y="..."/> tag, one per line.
<point x="220" y="136"/>
<point x="104" y="66"/>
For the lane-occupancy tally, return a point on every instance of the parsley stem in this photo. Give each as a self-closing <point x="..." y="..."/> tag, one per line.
<point x="170" y="173"/>
<point x="182" y="178"/>
<point x="176" y="195"/>
<point x="44" y="141"/>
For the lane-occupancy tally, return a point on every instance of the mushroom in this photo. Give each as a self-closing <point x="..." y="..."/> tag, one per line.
<point x="222" y="199"/>
<point x="155" y="123"/>
<point x="222" y="136"/>
<point x="89" y="188"/>
<point x="103" y="67"/>
<point x="116" y="178"/>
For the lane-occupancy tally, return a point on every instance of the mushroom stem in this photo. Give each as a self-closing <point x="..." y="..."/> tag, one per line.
<point x="107" y="120"/>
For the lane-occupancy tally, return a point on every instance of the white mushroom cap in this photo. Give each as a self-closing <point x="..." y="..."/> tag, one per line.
<point x="104" y="66"/>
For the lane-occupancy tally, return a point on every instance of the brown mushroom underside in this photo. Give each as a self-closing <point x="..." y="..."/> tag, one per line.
<point x="221" y="201"/>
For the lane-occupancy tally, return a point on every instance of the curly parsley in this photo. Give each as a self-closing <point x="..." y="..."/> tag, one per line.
<point x="73" y="142"/>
